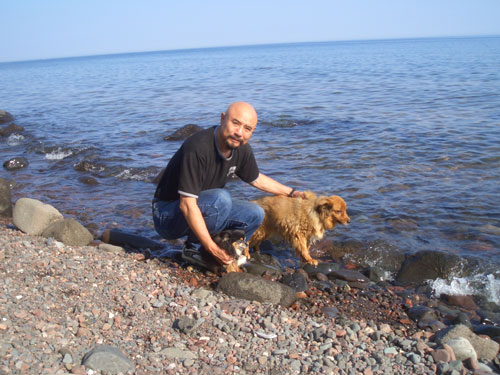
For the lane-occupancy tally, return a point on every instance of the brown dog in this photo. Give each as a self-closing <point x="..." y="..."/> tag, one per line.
<point x="299" y="222"/>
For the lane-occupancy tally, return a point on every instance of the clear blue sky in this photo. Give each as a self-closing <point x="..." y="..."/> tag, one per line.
<point x="39" y="29"/>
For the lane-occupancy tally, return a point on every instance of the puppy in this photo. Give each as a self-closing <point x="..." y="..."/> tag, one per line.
<point x="232" y="241"/>
<point x="299" y="222"/>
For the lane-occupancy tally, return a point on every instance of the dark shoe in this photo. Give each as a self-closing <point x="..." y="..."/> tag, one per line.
<point x="192" y="255"/>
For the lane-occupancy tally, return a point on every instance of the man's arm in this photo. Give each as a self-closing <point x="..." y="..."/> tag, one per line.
<point x="194" y="218"/>
<point x="269" y="185"/>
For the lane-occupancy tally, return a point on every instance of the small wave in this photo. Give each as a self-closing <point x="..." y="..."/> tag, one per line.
<point x="15" y="139"/>
<point x="485" y="285"/>
<point x="58" y="154"/>
<point x="138" y="174"/>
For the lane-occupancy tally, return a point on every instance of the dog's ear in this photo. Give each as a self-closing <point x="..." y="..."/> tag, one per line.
<point x="238" y="234"/>
<point x="323" y="206"/>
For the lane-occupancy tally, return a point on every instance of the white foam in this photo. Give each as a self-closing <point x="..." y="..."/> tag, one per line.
<point x="14" y="139"/>
<point x="486" y="285"/>
<point x="58" y="154"/>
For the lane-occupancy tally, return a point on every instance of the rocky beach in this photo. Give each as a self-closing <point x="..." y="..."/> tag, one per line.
<point x="99" y="308"/>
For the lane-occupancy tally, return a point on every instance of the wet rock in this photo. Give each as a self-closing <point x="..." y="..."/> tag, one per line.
<point x="297" y="281"/>
<point x="107" y="358"/>
<point x="376" y="274"/>
<point x="466" y="302"/>
<point x="254" y="288"/>
<point x="263" y="264"/>
<point x="431" y="325"/>
<point x="5" y="199"/>
<point x="128" y="240"/>
<point x="322" y="268"/>
<point x="88" y="180"/>
<point x="485" y="348"/>
<point x="16" y="163"/>
<point x="418" y="313"/>
<point x="69" y="232"/>
<point x="5" y="117"/>
<point x="10" y="129"/>
<point x="348" y="275"/>
<point x="185" y="132"/>
<point x="427" y="265"/>
<point x="33" y="217"/>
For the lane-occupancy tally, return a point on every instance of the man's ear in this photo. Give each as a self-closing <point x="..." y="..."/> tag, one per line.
<point x="222" y="117"/>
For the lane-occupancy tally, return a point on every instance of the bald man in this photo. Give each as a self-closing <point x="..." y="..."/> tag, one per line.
<point x="190" y="199"/>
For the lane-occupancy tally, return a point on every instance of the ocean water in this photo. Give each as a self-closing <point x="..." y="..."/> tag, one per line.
<point x="406" y="131"/>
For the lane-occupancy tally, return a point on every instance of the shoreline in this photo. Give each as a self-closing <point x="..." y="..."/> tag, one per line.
<point x="59" y="302"/>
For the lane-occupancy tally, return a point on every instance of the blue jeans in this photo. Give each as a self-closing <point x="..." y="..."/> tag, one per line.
<point x="219" y="210"/>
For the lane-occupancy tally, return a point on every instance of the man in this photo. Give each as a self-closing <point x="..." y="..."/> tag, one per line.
<point x="190" y="199"/>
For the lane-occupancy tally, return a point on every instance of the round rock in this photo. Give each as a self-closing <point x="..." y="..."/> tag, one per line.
<point x="16" y="163"/>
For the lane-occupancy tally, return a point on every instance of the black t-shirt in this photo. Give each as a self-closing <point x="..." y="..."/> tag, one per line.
<point x="198" y="166"/>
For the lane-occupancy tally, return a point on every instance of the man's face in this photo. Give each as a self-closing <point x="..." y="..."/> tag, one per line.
<point x="237" y="125"/>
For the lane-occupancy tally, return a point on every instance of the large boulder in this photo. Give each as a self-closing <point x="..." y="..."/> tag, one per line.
<point x="255" y="288"/>
<point x="33" y="217"/>
<point x="5" y="199"/>
<point x="485" y="348"/>
<point x="428" y="265"/>
<point x="69" y="232"/>
<point x="5" y="117"/>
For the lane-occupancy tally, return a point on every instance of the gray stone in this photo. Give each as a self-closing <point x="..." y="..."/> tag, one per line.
<point x="33" y="217"/>
<point x="107" y="358"/>
<point x="16" y="163"/>
<point x="5" y="199"/>
<point x="185" y="324"/>
<point x="486" y="349"/>
<point x="69" y="232"/>
<point x="462" y="348"/>
<point x="254" y="288"/>
<point x="176" y="353"/>
<point x="5" y="117"/>
<point x="418" y="313"/>
<point x="323" y="268"/>
<point x="348" y="275"/>
<point x="108" y="248"/>
<point x="296" y="280"/>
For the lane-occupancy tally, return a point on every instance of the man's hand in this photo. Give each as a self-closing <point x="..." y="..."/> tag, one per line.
<point x="219" y="254"/>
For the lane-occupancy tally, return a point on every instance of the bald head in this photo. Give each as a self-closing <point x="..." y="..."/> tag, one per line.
<point x="244" y="111"/>
<point x="236" y="126"/>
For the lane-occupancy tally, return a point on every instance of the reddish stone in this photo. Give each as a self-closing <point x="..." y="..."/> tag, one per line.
<point x="441" y="355"/>
<point x="450" y="350"/>
<point x="466" y="302"/>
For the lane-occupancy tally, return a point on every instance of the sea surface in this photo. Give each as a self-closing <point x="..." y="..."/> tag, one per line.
<point x="406" y="131"/>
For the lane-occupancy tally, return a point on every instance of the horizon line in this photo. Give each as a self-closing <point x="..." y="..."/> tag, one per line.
<point x="250" y="45"/>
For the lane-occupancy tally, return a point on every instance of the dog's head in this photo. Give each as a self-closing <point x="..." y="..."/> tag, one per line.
<point x="332" y="210"/>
